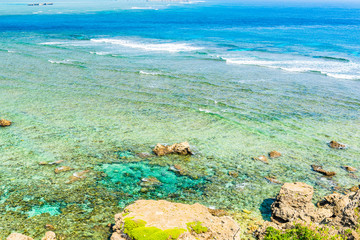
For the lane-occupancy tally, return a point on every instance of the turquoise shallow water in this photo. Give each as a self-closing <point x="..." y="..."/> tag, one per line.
<point x="97" y="93"/>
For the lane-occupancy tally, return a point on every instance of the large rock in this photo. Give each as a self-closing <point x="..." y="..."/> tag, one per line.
<point x="49" y="236"/>
<point x="18" y="236"/>
<point x="293" y="202"/>
<point x="179" y="148"/>
<point x="158" y="218"/>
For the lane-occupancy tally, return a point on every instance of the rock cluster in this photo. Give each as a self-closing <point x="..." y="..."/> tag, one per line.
<point x="149" y="219"/>
<point x="179" y="148"/>
<point x="293" y="204"/>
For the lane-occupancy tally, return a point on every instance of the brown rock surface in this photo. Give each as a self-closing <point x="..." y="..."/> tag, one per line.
<point x="273" y="180"/>
<point x="274" y="154"/>
<point x="167" y="215"/>
<point x="4" y="123"/>
<point x="336" y="145"/>
<point x="179" y="148"/>
<point x="319" y="169"/>
<point x="18" y="236"/>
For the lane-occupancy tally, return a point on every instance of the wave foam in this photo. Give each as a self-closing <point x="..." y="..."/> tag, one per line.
<point x="341" y="70"/>
<point x="168" y="47"/>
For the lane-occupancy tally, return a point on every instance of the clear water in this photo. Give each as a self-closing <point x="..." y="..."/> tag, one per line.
<point x="96" y="88"/>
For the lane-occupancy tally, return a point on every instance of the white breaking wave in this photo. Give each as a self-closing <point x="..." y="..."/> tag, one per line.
<point x="168" y="47"/>
<point x="333" y="69"/>
<point x="149" y="73"/>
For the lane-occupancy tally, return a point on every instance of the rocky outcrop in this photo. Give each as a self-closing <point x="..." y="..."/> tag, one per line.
<point x="18" y="236"/>
<point x="179" y="148"/>
<point x="4" y="123"/>
<point x="152" y="219"/>
<point x="293" y="205"/>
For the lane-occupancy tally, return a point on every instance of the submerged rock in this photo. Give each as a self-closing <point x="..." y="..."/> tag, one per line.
<point x="262" y="158"/>
<point x="179" y="148"/>
<point x="336" y="145"/>
<point x="63" y="169"/>
<point x="319" y="169"/>
<point x="4" y="123"/>
<point x="273" y="180"/>
<point x="153" y="220"/>
<point x="150" y="182"/>
<point x="350" y="169"/>
<point x="77" y="176"/>
<point x="274" y="154"/>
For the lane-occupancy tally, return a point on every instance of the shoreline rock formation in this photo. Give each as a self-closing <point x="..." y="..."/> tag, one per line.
<point x="293" y="206"/>
<point x="163" y="220"/>
<point x="18" y="236"/>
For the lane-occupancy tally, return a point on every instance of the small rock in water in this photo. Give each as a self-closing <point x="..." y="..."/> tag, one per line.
<point x="274" y="154"/>
<point x="336" y="145"/>
<point x="4" y="123"/>
<point x="179" y="148"/>
<point x="77" y="176"/>
<point x="143" y="155"/>
<point x="354" y="188"/>
<point x="63" y="169"/>
<point x="319" y="169"/>
<point x="217" y="212"/>
<point x="273" y="180"/>
<point x="149" y="182"/>
<point x="350" y="169"/>
<point x="49" y="227"/>
<point x="233" y="174"/>
<point x="262" y="158"/>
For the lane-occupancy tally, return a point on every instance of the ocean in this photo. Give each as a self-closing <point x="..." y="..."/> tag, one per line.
<point x="97" y="86"/>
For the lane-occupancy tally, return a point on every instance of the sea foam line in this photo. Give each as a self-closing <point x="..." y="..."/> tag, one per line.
<point x="168" y="47"/>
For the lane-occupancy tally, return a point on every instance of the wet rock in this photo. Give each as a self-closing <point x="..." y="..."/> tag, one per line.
<point x="189" y="221"/>
<point x="149" y="182"/>
<point x="179" y="148"/>
<point x="49" y="227"/>
<point x="178" y="169"/>
<point x="354" y="188"/>
<point x="262" y="158"/>
<point x="18" y="236"/>
<point x="143" y="155"/>
<point x="77" y="176"/>
<point x="273" y="180"/>
<point x="319" y="169"/>
<point x="4" y="123"/>
<point x="49" y="236"/>
<point x="336" y="145"/>
<point x="63" y="169"/>
<point x="350" y="169"/>
<point x="274" y="154"/>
